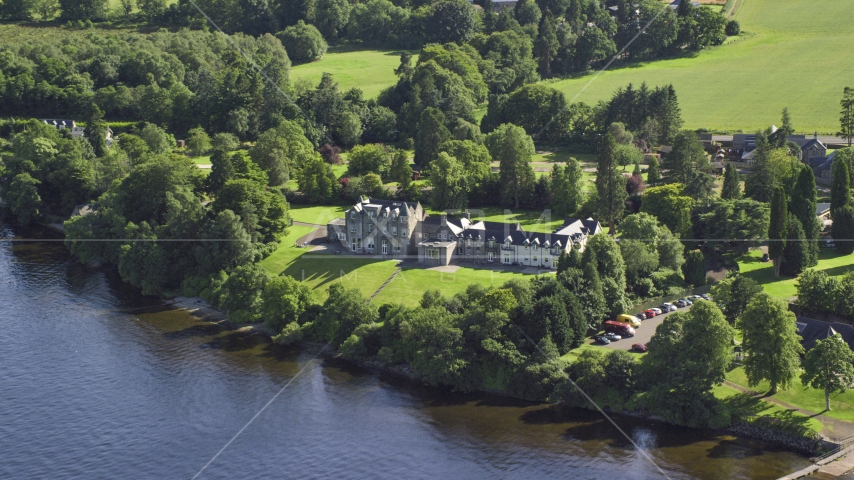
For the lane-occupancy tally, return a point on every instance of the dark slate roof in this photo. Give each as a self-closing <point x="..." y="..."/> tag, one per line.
<point x="813" y="330"/>
<point x="821" y="208"/>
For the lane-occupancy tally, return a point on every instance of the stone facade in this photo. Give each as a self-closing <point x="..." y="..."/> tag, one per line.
<point x="378" y="227"/>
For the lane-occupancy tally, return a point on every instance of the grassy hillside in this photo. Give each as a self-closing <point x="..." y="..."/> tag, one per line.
<point x="792" y="53"/>
<point x="370" y="70"/>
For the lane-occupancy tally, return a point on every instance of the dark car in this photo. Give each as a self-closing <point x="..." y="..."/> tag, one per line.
<point x="680" y="304"/>
<point x="705" y="296"/>
<point x="766" y="258"/>
<point x="639" y="347"/>
<point x="603" y="340"/>
<point x="641" y="315"/>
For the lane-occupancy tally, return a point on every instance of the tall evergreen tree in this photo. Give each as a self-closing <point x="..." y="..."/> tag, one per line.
<point x="686" y="160"/>
<point x="694" y="268"/>
<point x="610" y="184"/>
<point x="513" y="148"/>
<point x="760" y="184"/>
<point x="96" y="130"/>
<point x="846" y="119"/>
<point x="779" y="138"/>
<point x="546" y="45"/>
<point x="431" y="134"/>
<point x="843" y="229"/>
<point x="840" y="187"/>
<point x="732" y="184"/>
<point x="802" y="205"/>
<point x="566" y="188"/>
<point x="653" y="175"/>
<point x="796" y="254"/>
<point x="777" y="228"/>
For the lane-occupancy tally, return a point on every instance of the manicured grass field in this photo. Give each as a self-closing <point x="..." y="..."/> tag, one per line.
<point x="408" y="286"/>
<point x="750" y="406"/>
<point x="841" y="405"/>
<point x="287" y="252"/>
<point x="790" y="54"/>
<point x="531" y="220"/>
<point x="316" y="214"/>
<point x="370" y="70"/>
<point x="785" y="288"/>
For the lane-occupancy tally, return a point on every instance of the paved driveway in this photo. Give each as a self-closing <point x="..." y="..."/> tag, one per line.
<point x="643" y="334"/>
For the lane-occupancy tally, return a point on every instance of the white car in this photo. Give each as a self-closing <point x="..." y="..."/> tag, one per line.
<point x="656" y="310"/>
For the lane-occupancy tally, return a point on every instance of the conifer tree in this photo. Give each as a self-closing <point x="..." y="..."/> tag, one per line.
<point x="431" y="133"/>
<point x="96" y="130"/>
<point x="840" y="187"/>
<point x="846" y="120"/>
<point x="653" y="176"/>
<point x="777" y="228"/>
<point x="732" y="184"/>
<point x="796" y="253"/>
<point x="802" y="205"/>
<point x="610" y="184"/>
<point x="546" y="45"/>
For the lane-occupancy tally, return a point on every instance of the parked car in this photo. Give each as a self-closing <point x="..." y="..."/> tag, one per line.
<point x="631" y="320"/>
<point x="657" y="310"/>
<point x="680" y="304"/>
<point x="694" y="298"/>
<point x="651" y="312"/>
<point x="601" y="339"/>
<point x="686" y="301"/>
<point x="612" y="336"/>
<point x="705" y="296"/>
<point x="639" y="347"/>
<point x="667" y="307"/>
<point x="641" y="316"/>
<point x="766" y="258"/>
<point x="620" y="328"/>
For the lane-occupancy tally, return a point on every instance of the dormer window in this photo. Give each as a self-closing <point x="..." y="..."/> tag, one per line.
<point x="353" y="214"/>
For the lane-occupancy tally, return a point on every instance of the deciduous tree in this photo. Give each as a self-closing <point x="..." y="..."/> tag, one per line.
<point x="771" y="342"/>
<point x="829" y="366"/>
<point x="513" y="148"/>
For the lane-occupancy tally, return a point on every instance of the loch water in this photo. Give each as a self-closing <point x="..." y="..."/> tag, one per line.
<point x="97" y="381"/>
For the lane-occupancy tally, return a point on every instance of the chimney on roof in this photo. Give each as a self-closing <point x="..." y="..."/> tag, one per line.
<point x="815" y="136"/>
<point x="466" y="214"/>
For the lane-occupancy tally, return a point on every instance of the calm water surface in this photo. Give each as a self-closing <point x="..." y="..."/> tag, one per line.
<point x="90" y="389"/>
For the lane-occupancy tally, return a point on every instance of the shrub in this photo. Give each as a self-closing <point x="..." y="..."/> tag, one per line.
<point x="303" y="42"/>
<point x="733" y="28"/>
<point x="290" y="334"/>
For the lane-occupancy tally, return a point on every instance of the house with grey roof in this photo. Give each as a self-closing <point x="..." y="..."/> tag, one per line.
<point x="461" y="240"/>
<point x="396" y="229"/>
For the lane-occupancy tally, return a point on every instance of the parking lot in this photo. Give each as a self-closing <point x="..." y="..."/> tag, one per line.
<point x="643" y="334"/>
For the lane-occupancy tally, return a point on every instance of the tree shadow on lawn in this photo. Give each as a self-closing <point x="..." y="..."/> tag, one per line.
<point x="326" y="268"/>
<point x="745" y="406"/>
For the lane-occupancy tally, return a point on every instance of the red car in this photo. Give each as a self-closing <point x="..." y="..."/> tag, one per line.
<point x="650" y="313"/>
<point x="639" y="347"/>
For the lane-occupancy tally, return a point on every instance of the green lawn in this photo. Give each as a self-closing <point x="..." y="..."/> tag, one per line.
<point x="201" y="160"/>
<point x="316" y="214"/>
<point x="531" y="220"/>
<point x="287" y="252"/>
<point x="370" y="70"/>
<point x="749" y="406"/>
<point x="408" y="286"/>
<point x="745" y="83"/>
<point x="785" y="288"/>
<point x="841" y="405"/>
